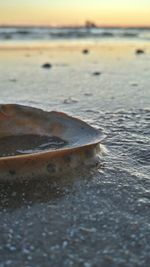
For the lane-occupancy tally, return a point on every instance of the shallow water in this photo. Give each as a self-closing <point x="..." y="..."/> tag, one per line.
<point x="97" y="217"/>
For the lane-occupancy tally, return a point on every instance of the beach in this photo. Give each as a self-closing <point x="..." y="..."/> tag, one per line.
<point x="99" y="217"/>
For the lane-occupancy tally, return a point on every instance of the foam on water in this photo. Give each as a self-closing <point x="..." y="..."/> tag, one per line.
<point x="128" y="141"/>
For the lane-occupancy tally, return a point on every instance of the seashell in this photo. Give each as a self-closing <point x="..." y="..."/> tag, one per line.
<point x="37" y="143"/>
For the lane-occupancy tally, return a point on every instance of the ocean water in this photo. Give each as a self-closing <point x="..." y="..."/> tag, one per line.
<point x="97" y="217"/>
<point x="55" y="33"/>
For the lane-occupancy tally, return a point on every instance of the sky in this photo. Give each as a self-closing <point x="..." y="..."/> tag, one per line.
<point x="75" y="12"/>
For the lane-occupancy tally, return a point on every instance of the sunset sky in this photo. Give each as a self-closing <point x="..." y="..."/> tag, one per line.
<point x="75" y="12"/>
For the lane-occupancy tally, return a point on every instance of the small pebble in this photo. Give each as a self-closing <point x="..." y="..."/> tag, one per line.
<point x="13" y="80"/>
<point x="139" y="51"/>
<point x="96" y="73"/>
<point x="134" y="84"/>
<point x="88" y="94"/>
<point x="47" y="66"/>
<point x="85" y="51"/>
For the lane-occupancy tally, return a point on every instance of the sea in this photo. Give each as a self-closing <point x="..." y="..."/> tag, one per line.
<point x="71" y="33"/>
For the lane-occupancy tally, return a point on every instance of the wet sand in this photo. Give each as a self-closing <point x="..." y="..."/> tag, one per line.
<point x="96" y="217"/>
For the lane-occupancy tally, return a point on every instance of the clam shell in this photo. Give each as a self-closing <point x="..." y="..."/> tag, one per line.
<point x="36" y="143"/>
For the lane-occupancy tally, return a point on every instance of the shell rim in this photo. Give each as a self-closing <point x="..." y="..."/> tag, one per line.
<point x="98" y="138"/>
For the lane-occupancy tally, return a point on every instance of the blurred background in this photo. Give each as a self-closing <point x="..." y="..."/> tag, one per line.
<point x="47" y="20"/>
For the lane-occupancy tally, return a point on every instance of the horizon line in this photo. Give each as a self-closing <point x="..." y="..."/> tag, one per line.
<point x="73" y="26"/>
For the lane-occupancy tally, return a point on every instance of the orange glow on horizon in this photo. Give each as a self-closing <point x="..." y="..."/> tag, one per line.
<point x="67" y="15"/>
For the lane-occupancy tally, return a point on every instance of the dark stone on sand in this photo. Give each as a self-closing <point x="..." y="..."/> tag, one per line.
<point x="139" y="51"/>
<point x="88" y="94"/>
<point x="13" y="80"/>
<point x="96" y="73"/>
<point x="85" y="51"/>
<point x="47" y="66"/>
<point x="134" y="84"/>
